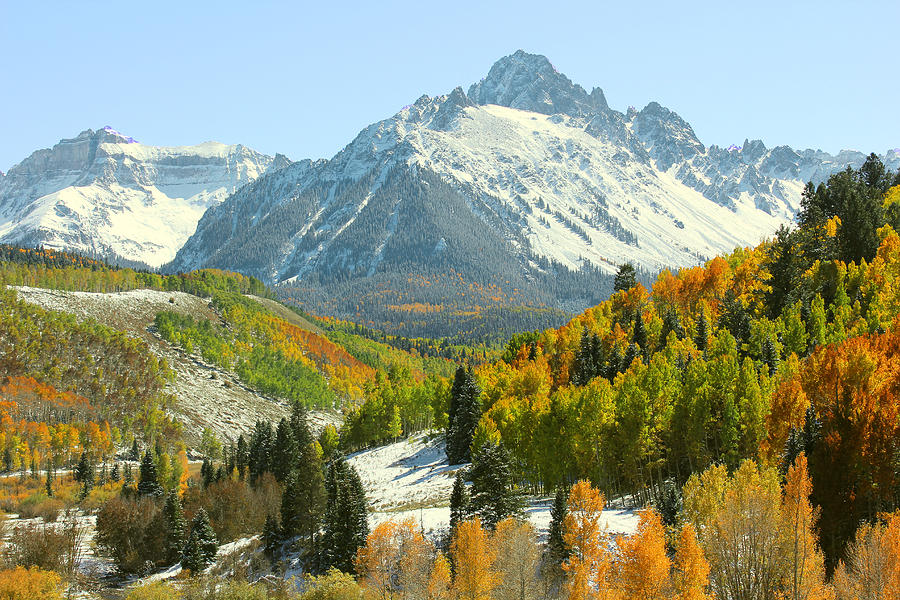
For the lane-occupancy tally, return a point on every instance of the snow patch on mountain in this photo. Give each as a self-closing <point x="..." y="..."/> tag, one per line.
<point x="105" y="194"/>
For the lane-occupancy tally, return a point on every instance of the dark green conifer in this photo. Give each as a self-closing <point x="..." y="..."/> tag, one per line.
<point x="495" y="495"/>
<point x="459" y="501"/>
<point x="148" y="484"/>
<point x="701" y="338"/>
<point x="285" y="454"/>
<point x="346" y="523"/>
<point x="200" y="550"/>
<point x="465" y="412"/>
<point x="625" y="278"/>
<point x="557" y="547"/>
<point x="176" y="526"/>
<point x="639" y="334"/>
<point x="271" y="536"/>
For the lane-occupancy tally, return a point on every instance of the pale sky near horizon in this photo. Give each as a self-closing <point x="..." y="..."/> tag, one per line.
<point x="303" y="79"/>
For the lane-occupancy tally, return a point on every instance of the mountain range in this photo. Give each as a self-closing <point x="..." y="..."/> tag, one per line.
<point x="524" y="190"/>
<point x="105" y="194"/>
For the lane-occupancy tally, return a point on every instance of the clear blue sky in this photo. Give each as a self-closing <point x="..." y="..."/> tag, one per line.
<point x="303" y="80"/>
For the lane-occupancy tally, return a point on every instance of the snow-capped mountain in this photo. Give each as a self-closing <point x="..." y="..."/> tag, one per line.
<point x="105" y="194"/>
<point x="539" y="169"/>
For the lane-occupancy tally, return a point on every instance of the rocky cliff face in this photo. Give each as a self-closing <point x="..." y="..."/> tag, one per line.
<point x="105" y="194"/>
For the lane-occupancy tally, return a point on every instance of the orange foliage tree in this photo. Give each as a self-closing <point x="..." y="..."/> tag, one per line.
<point x="473" y="559"/>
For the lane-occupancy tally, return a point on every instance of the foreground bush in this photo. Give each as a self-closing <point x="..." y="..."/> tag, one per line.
<point x="29" y="584"/>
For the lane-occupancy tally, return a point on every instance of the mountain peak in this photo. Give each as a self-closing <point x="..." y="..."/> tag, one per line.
<point x="530" y="82"/>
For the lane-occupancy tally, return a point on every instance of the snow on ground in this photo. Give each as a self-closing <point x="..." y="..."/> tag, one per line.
<point x="411" y="478"/>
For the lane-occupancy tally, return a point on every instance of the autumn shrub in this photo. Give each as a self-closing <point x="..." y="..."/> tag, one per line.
<point x="125" y="533"/>
<point x="41" y="507"/>
<point x="37" y="545"/>
<point x="29" y="584"/>
<point x="153" y="591"/>
<point x="333" y="585"/>
<point x="235" y="508"/>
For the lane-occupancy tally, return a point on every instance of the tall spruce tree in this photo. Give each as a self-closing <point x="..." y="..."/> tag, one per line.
<point x="556" y="545"/>
<point x="241" y="456"/>
<point x="494" y="493"/>
<point x="176" y="526"/>
<point x="639" y="334"/>
<point x="465" y="411"/>
<point x="200" y="550"/>
<point x="626" y="278"/>
<point x="285" y="454"/>
<point x="260" y="450"/>
<point x="701" y="338"/>
<point x="346" y="525"/>
<point x="148" y="484"/>
<point x="459" y="501"/>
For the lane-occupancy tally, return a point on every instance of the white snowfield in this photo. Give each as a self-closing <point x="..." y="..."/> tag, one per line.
<point x="511" y="156"/>
<point x="411" y="478"/>
<point x="100" y="193"/>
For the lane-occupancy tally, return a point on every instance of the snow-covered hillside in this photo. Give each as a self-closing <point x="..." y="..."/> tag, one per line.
<point x="103" y="193"/>
<point x="411" y="478"/>
<point x="205" y="396"/>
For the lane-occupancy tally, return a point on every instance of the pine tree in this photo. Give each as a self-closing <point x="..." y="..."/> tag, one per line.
<point x="127" y="477"/>
<point x="670" y="323"/>
<point x="300" y="427"/>
<point x="285" y="454"/>
<point x="701" y="337"/>
<point x="260" y="450"/>
<point x="494" y="493"/>
<point x="135" y="453"/>
<point x="346" y="523"/>
<point x="459" y="501"/>
<point x="84" y="474"/>
<point x="84" y="471"/>
<point x="625" y="278"/>
<point x="271" y="536"/>
<point x="770" y="356"/>
<point x="556" y="545"/>
<point x="200" y="550"/>
<point x="631" y="353"/>
<point x="639" y="334"/>
<point x="191" y="557"/>
<point x="242" y="456"/>
<point x="176" y="526"/>
<point x="48" y="484"/>
<point x="465" y="412"/>
<point x="452" y="411"/>
<point x="148" y="484"/>
<point x="115" y="475"/>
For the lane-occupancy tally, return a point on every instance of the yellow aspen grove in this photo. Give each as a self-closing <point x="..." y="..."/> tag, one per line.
<point x="805" y="577"/>
<point x="518" y="557"/>
<point x="587" y="567"/>
<point x="690" y="575"/>
<point x="643" y="565"/>
<point x="473" y="558"/>
<point x="439" y="583"/>
<point x="389" y="548"/>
